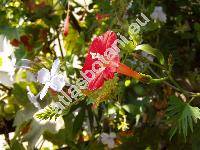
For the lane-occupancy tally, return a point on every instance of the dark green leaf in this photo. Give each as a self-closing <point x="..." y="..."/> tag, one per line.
<point x="78" y="121"/>
<point x="150" y="50"/>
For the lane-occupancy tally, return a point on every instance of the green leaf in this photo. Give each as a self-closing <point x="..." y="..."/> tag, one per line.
<point x="60" y="138"/>
<point x="78" y="121"/>
<point x="150" y="50"/>
<point x="37" y="129"/>
<point x="90" y="101"/>
<point x="91" y="117"/>
<point x="182" y="115"/>
<point x="20" y="53"/>
<point x="20" y="93"/>
<point x="48" y="113"/>
<point x="24" y="115"/>
<point x="64" y="136"/>
<point x="9" y="32"/>
<point x="130" y="108"/>
<point x="16" y="145"/>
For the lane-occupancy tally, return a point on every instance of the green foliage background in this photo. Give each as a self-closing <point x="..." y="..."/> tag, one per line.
<point x="161" y="115"/>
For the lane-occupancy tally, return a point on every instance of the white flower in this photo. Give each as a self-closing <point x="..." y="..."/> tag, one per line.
<point x="30" y="77"/>
<point x="76" y="63"/>
<point x="51" y="79"/>
<point x="108" y="139"/>
<point x="158" y="14"/>
<point x="147" y="56"/>
<point x="129" y="5"/>
<point x="8" y="60"/>
<point x="5" y="79"/>
<point x="84" y="3"/>
<point x="33" y="98"/>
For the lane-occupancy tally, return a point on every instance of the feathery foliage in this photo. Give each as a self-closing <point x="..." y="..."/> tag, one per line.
<point x="182" y="115"/>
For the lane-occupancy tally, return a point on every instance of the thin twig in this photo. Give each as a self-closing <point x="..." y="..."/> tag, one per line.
<point x="61" y="51"/>
<point x="41" y="145"/>
<point x="172" y="86"/>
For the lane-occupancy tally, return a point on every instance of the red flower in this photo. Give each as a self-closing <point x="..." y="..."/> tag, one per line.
<point x="103" y="61"/>
<point x="15" y="42"/>
<point x="26" y="41"/>
<point x="100" y="17"/>
<point x="66" y="25"/>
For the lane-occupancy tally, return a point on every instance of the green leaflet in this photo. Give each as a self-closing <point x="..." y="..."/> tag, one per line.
<point x="150" y="50"/>
<point x="20" y="93"/>
<point x="131" y="108"/>
<point x="183" y="116"/>
<point x="16" y="145"/>
<point x="64" y="136"/>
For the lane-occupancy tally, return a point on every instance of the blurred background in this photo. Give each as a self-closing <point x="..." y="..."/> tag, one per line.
<point x="124" y="113"/>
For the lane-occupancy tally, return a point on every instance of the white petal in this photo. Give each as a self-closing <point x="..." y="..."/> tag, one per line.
<point x="55" y="67"/>
<point x="104" y="141"/>
<point x="33" y="98"/>
<point x="162" y="17"/>
<point x="57" y="82"/>
<point x="111" y="143"/>
<point x="104" y="138"/>
<point x="158" y="8"/>
<point x="104" y="135"/>
<point x="60" y="124"/>
<point x="5" y="79"/>
<point x="76" y="63"/>
<point x="158" y="14"/>
<point x="154" y="15"/>
<point x="113" y="135"/>
<point x="43" y="75"/>
<point x="44" y="90"/>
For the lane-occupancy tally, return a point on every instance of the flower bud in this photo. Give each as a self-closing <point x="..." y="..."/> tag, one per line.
<point x="66" y="25"/>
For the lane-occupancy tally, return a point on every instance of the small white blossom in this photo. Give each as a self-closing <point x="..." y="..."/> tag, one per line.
<point x="76" y="63"/>
<point x="8" y="60"/>
<point x="147" y="56"/>
<point x="158" y="14"/>
<point x="33" y="98"/>
<point x="129" y="5"/>
<point x="51" y="79"/>
<point x="108" y="139"/>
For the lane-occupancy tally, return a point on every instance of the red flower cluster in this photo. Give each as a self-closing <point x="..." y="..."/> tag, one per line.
<point x="33" y="7"/>
<point x="100" y="17"/>
<point x="103" y="61"/>
<point x="24" y="39"/>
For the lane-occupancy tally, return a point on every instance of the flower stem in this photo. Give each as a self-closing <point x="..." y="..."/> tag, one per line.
<point x="123" y="69"/>
<point x="59" y="43"/>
